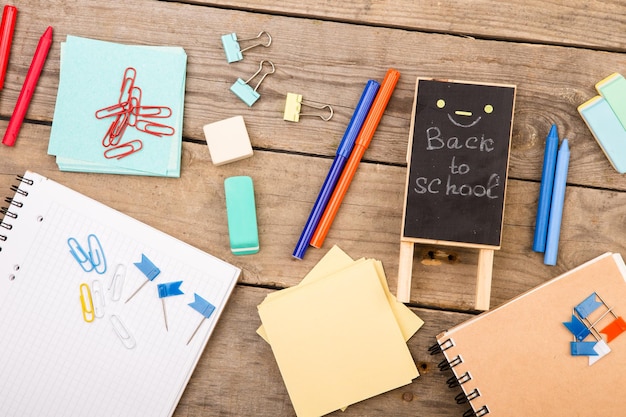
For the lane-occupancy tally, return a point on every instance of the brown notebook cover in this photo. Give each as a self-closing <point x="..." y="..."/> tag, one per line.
<point x="516" y="360"/>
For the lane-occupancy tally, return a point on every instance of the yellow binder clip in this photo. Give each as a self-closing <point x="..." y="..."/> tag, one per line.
<point x="86" y="303"/>
<point x="293" y="107"/>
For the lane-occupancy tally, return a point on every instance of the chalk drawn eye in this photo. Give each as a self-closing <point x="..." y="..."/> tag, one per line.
<point x="488" y="109"/>
<point x="441" y="103"/>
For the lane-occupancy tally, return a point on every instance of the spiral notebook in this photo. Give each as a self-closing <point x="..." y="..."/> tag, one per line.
<point x="101" y="315"/>
<point x="522" y="359"/>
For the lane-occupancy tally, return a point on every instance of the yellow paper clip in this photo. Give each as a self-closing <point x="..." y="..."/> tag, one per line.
<point x="293" y="106"/>
<point x="86" y="303"/>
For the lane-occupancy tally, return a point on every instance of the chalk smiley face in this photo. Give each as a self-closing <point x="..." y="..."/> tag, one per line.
<point x="463" y="117"/>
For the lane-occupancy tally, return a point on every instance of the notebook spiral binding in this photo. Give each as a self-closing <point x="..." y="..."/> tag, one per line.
<point x="458" y="379"/>
<point x="10" y="213"/>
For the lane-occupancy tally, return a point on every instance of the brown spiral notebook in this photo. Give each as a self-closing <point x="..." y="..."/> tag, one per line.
<point x="517" y="359"/>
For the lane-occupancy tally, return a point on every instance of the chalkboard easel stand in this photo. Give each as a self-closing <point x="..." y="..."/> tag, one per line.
<point x="457" y="168"/>
<point x="483" y="275"/>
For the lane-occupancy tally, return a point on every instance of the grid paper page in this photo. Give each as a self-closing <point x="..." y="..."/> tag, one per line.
<point x="54" y="362"/>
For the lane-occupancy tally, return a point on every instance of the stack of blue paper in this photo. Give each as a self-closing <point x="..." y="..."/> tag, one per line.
<point x="119" y="108"/>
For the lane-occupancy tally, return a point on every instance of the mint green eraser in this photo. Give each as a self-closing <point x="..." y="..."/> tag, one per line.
<point x="241" y="212"/>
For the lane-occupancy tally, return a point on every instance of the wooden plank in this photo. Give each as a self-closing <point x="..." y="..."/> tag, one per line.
<point x="368" y="224"/>
<point x="319" y="52"/>
<point x="578" y="22"/>
<point x="322" y="66"/>
<point x="238" y="376"/>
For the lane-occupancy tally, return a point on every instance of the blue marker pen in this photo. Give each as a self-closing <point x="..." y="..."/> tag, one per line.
<point x="343" y="153"/>
<point x="545" y="192"/>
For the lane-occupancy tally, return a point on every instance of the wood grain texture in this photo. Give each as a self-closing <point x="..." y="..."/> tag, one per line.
<point x="326" y="51"/>
<point x="597" y="24"/>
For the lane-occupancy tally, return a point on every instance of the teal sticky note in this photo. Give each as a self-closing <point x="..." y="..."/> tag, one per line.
<point x="241" y="211"/>
<point x="91" y="76"/>
<point x="607" y="129"/>
<point x="613" y="89"/>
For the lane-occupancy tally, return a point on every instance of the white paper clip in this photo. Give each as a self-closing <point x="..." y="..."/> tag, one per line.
<point x="98" y="298"/>
<point x="246" y="93"/>
<point x="293" y="107"/>
<point x="120" y="330"/>
<point x="232" y="46"/>
<point x="117" y="282"/>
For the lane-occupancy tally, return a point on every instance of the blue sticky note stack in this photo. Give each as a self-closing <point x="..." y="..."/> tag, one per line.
<point x="605" y="115"/>
<point x="92" y="78"/>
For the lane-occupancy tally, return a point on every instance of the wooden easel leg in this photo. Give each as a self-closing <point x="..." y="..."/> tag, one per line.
<point x="405" y="270"/>
<point x="483" y="279"/>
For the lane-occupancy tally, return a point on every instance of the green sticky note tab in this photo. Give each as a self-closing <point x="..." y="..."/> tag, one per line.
<point x="613" y="89"/>
<point x="606" y="129"/>
<point x="241" y="211"/>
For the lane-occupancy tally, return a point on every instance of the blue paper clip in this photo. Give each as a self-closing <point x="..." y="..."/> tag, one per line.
<point x="91" y="260"/>
<point x="233" y="50"/>
<point x="96" y="254"/>
<point x="80" y="255"/>
<point x="246" y="93"/>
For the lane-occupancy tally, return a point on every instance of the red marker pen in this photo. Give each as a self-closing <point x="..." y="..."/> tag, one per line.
<point x="28" y="88"/>
<point x="6" y="37"/>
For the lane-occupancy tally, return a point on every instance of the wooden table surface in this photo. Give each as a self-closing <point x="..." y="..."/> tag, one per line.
<point x="554" y="52"/>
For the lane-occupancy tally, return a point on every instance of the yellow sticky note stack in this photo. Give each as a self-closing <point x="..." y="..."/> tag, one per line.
<point x="339" y="336"/>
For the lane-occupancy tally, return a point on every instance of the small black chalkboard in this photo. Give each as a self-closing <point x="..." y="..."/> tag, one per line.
<point x="458" y="162"/>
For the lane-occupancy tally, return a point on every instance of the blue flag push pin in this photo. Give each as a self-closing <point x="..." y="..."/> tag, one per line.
<point x="168" y="289"/>
<point x="203" y="307"/>
<point x="149" y="270"/>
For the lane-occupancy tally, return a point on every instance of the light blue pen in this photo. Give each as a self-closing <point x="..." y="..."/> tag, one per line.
<point x="343" y="153"/>
<point x="556" y="207"/>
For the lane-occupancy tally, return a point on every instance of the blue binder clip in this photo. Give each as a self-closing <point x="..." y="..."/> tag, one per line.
<point x="232" y="46"/>
<point x="246" y="93"/>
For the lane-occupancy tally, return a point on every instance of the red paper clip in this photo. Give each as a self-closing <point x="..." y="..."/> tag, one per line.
<point x="119" y="152"/>
<point x="153" y="111"/>
<point x="129" y="111"/>
<point x="128" y="82"/>
<point x="153" y="128"/>
<point x="111" y="111"/>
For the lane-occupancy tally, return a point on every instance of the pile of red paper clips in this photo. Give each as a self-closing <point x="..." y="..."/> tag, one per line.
<point x="128" y="111"/>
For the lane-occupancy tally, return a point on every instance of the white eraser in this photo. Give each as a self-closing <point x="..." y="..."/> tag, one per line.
<point x="228" y="140"/>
